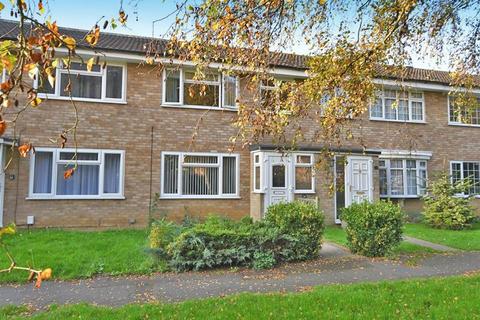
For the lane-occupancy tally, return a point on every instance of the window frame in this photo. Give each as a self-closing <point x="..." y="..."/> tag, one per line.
<point x="456" y="123"/>
<point x="183" y="80"/>
<point x="102" y="73"/>
<point x="259" y="164"/>
<point x="304" y="165"/>
<point x="56" y="161"/>
<point x="461" y="163"/>
<point x="219" y="165"/>
<point x="404" y="169"/>
<point x="410" y="100"/>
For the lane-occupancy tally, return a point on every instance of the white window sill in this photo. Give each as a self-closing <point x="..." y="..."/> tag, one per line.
<point x="181" y="106"/>
<point x="458" y="124"/>
<point x="164" y="197"/>
<point x="398" y="121"/>
<point x="304" y="192"/>
<point x="75" y="198"/>
<point x="49" y="97"/>
<point x="400" y="197"/>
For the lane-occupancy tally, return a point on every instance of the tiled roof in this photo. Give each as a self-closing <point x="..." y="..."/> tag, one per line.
<point x="138" y="45"/>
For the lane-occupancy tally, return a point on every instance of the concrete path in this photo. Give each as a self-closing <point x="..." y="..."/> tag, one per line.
<point x="335" y="265"/>
<point x="431" y="245"/>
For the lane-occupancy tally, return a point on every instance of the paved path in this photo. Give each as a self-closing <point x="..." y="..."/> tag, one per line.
<point x="334" y="266"/>
<point x="431" y="245"/>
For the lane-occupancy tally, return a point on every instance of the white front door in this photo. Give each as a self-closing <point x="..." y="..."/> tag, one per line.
<point x="279" y="185"/>
<point x="358" y="180"/>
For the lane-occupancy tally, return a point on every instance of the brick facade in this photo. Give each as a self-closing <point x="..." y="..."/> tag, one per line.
<point x="143" y="127"/>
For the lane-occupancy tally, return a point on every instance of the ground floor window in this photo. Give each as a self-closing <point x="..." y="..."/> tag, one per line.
<point x="402" y="177"/>
<point x="199" y="175"/>
<point x="91" y="173"/>
<point x="304" y="181"/>
<point x="461" y="170"/>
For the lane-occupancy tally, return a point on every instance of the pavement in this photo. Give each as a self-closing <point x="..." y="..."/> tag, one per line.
<point x="431" y="245"/>
<point x="335" y="265"/>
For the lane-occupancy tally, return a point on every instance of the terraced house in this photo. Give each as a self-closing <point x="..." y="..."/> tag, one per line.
<point x="135" y="141"/>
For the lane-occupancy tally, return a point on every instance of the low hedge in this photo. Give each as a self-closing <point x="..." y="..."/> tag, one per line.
<point x="219" y="242"/>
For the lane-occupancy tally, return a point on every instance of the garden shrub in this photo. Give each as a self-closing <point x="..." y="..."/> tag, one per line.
<point x="373" y="229"/>
<point x="444" y="208"/>
<point x="263" y="260"/>
<point x="162" y="233"/>
<point x="301" y="220"/>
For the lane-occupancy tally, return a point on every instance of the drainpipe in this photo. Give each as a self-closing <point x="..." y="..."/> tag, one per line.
<point x="151" y="177"/>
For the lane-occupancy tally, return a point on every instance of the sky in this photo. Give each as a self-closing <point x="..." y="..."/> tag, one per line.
<point x="83" y="14"/>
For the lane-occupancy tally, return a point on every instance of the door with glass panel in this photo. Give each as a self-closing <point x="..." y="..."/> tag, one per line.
<point x="279" y="186"/>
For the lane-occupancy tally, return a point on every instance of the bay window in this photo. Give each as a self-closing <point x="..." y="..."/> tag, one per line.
<point x="470" y="170"/>
<point x="200" y="175"/>
<point x="181" y="87"/>
<point x="396" y="105"/>
<point x="99" y="84"/>
<point x="97" y="174"/>
<point x="402" y="178"/>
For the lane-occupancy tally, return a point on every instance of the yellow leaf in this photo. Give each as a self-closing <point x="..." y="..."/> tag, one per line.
<point x="55" y="63"/>
<point x="10" y="229"/>
<point x="90" y="63"/>
<point x="32" y="70"/>
<point x="70" y="42"/>
<point x="2" y="6"/>
<point x="35" y="102"/>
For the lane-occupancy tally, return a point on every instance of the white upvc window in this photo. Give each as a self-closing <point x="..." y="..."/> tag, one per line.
<point x="98" y="85"/>
<point x="200" y="175"/>
<point x="215" y="91"/>
<point x="98" y="174"/>
<point x="397" y="105"/>
<point x="304" y="175"/>
<point x="460" y="170"/>
<point x="402" y="178"/>
<point x="463" y="115"/>
<point x="257" y="172"/>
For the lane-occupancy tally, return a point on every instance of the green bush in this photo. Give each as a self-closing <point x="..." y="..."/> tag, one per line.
<point x="444" y="209"/>
<point x="301" y="220"/>
<point x="222" y="242"/>
<point x="162" y="233"/>
<point x="373" y="229"/>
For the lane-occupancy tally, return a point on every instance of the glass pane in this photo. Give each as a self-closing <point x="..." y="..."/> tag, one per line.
<point x="257" y="158"/>
<point x="383" y="182"/>
<point x="396" y="164"/>
<point x="83" y="66"/>
<point x="411" y="164"/>
<point x="200" y="159"/>
<point x="230" y="91"/>
<point x="416" y="95"/>
<point x="114" y="82"/>
<point x="257" y="178"/>
<point x="422" y="182"/>
<point x="278" y="176"/>
<point x="417" y="111"/>
<point x="172" y="86"/>
<point x="390" y="109"/>
<point x="376" y="109"/>
<point x="82" y="86"/>
<point x="170" y="174"/>
<point x="42" y="177"/>
<point x="456" y="172"/>
<point x="303" y="178"/>
<point x="471" y="172"/>
<point x="390" y="94"/>
<point x="229" y="175"/>
<point x="91" y="156"/>
<point x="304" y="159"/>
<point x="411" y="182"/>
<point x="402" y="110"/>
<point x="339" y="184"/>
<point x="208" y="76"/>
<point x="201" y="95"/>
<point x="111" y="178"/>
<point x="200" y="181"/>
<point x="84" y="180"/>
<point x="44" y="85"/>
<point x="396" y="180"/>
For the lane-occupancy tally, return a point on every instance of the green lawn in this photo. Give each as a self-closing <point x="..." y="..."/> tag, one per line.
<point x="77" y="254"/>
<point x="464" y="239"/>
<point x="439" y="298"/>
<point x="337" y="235"/>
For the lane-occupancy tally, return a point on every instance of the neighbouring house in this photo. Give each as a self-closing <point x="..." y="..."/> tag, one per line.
<point x="135" y="141"/>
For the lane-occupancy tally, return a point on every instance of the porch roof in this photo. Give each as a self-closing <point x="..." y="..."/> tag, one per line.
<point x="313" y="148"/>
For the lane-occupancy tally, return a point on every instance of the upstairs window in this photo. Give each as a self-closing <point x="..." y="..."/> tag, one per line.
<point x="461" y="170"/>
<point x="396" y="105"/>
<point x="199" y="175"/>
<point x="99" y="84"/>
<point x="214" y="90"/>
<point x="464" y="115"/>
<point x="402" y="178"/>
<point x="98" y="174"/>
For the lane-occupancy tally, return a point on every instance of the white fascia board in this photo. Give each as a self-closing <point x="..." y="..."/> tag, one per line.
<point x="410" y="154"/>
<point x="418" y="85"/>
